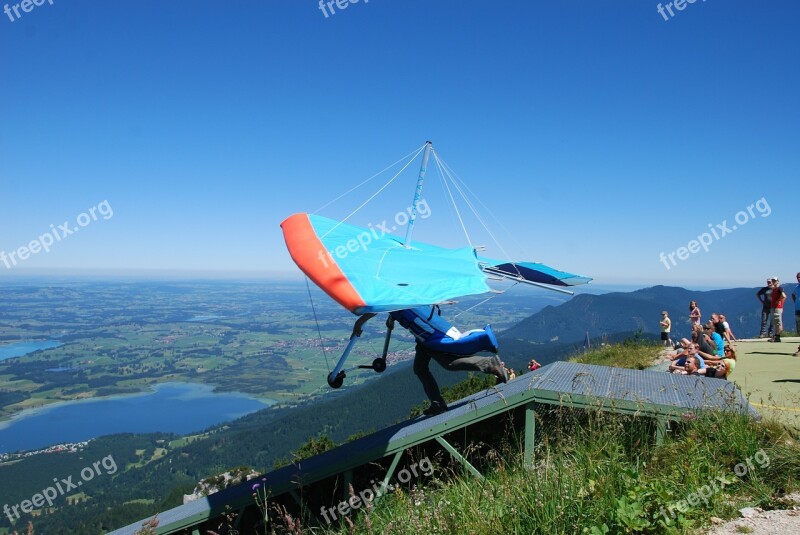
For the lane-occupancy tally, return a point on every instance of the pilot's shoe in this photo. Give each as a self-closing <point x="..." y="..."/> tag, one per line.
<point x="435" y="408"/>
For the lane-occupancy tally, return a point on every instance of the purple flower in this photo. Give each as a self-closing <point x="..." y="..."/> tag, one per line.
<point x="256" y="486"/>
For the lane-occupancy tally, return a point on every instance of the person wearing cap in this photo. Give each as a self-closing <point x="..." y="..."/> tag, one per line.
<point x="666" y="326"/>
<point x="778" y="298"/>
<point x="764" y="296"/>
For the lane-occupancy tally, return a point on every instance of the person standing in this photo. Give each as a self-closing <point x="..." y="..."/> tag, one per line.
<point x="778" y="298"/>
<point x="796" y="312"/>
<point x="764" y="296"/>
<point x="666" y="327"/>
<point x="694" y="313"/>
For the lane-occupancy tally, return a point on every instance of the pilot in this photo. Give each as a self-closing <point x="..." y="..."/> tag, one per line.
<point x="439" y="340"/>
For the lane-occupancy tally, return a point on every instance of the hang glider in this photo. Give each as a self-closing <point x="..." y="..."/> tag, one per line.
<point x="370" y="270"/>
<point x="365" y="271"/>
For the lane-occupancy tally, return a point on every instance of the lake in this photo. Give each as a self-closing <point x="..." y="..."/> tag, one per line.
<point x="18" y="349"/>
<point x="172" y="407"/>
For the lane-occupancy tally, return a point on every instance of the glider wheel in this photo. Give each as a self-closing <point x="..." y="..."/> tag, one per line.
<point x="379" y="365"/>
<point x="337" y="381"/>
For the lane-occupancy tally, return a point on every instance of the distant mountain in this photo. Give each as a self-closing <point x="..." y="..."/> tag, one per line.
<point x="628" y="312"/>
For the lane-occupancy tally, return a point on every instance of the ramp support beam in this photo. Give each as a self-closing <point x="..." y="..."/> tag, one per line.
<point x="390" y="472"/>
<point x="530" y="433"/>
<point x="661" y="430"/>
<point x="446" y="445"/>
<point x="347" y="477"/>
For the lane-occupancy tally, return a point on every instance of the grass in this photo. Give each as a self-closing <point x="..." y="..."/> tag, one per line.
<point x="632" y="353"/>
<point x="597" y="473"/>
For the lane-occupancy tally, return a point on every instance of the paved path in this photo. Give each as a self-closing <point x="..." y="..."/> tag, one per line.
<point x="770" y="376"/>
<point x="767" y="374"/>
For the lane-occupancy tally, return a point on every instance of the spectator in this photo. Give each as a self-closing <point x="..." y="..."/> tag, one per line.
<point x="778" y="298"/>
<point x="679" y="366"/>
<point x="764" y="296"/>
<point x="704" y="341"/>
<point x="533" y="365"/>
<point x="719" y="345"/>
<point x="729" y="359"/>
<point x="694" y="313"/>
<point x="719" y="327"/>
<point x="693" y="368"/>
<point x="729" y="336"/>
<point x="666" y="326"/>
<point x="682" y="351"/>
<point x="796" y="312"/>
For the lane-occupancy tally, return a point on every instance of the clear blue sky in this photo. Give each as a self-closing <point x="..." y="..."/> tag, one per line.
<point x="598" y="133"/>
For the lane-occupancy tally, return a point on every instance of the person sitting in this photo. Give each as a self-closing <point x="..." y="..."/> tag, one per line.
<point x="699" y="336"/>
<point x="679" y="365"/>
<point x="730" y="360"/>
<point x="728" y="332"/>
<point x="719" y="344"/>
<point x="693" y="368"/>
<point x="719" y="327"/>
<point x="681" y="352"/>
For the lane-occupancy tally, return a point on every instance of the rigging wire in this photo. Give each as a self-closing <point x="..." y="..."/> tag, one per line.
<point x="415" y="152"/>
<point x="314" y="310"/>
<point x="351" y="214"/>
<point x="479" y="218"/>
<point x="452" y="200"/>
<point x="486" y="208"/>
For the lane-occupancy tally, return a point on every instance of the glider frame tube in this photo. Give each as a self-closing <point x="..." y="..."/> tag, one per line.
<point x="333" y="377"/>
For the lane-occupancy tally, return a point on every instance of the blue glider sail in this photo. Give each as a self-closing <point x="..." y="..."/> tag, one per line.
<point x="368" y="271"/>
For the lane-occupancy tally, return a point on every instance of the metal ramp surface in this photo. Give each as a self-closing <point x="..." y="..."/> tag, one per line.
<point x="660" y="395"/>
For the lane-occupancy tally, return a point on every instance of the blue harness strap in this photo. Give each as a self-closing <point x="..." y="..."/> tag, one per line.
<point x="430" y="330"/>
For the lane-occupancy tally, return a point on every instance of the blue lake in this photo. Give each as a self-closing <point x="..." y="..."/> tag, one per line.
<point x="172" y="407"/>
<point x="18" y="349"/>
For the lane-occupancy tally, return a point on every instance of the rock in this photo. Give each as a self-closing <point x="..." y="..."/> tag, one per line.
<point x="716" y="520"/>
<point x="749" y="512"/>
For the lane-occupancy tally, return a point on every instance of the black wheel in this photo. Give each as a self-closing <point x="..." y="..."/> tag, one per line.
<point x="379" y="365"/>
<point x="337" y="381"/>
